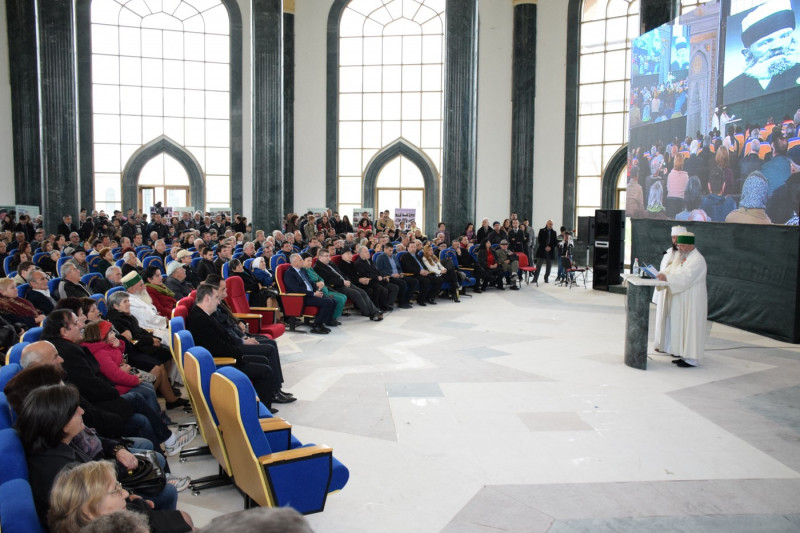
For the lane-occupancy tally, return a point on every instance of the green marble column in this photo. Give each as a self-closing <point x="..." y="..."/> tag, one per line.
<point x="523" y="98"/>
<point x="58" y="120"/>
<point x="268" y="127"/>
<point x="460" y="116"/>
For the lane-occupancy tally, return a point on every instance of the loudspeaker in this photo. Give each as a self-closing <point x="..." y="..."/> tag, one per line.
<point x="654" y="13"/>
<point x="609" y="248"/>
<point x="586" y="230"/>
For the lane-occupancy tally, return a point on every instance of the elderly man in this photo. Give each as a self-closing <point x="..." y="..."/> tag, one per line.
<point x="547" y="242"/>
<point x="79" y="260"/>
<point x="770" y="58"/>
<point x="101" y="285"/>
<point x="384" y="292"/>
<point x="688" y="303"/>
<point x="509" y="262"/>
<point x="661" y="295"/>
<point x="130" y="263"/>
<point x="39" y="294"/>
<point x="297" y="281"/>
<point x="176" y="280"/>
<point x="339" y="282"/>
<point x="143" y="309"/>
<point x="71" y="285"/>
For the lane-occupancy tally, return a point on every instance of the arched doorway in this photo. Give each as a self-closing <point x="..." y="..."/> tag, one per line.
<point x="194" y="179"/>
<point x="408" y="155"/>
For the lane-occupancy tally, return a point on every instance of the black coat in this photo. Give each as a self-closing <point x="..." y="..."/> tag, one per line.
<point x="329" y="272"/>
<point x="211" y="335"/>
<point x="547" y="237"/>
<point x="40" y="301"/>
<point x="204" y="269"/>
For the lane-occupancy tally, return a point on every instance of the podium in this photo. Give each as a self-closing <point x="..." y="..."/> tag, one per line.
<point x="637" y="319"/>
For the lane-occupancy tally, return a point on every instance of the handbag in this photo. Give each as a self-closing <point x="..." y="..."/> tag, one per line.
<point x="143" y="375"/>
<point x="147" y="479"/>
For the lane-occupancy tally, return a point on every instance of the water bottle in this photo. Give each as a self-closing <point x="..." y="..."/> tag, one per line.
<point x="636" y="271"/>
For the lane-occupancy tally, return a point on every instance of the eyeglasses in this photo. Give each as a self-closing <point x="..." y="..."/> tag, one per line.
<point x="117" y="488"/>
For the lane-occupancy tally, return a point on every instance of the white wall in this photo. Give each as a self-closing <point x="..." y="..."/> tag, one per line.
<point x="310" y="26"/>
<point x="551" y="79"/>
<point x="6" y="138"/>
<point x="495" y="54"/>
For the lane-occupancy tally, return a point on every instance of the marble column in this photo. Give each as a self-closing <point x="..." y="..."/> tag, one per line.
<point x="83" y="41"/>
<point x="59" y="142"/>
<point x="460" y="110"/>
<point x="23" y="78"/>
<point x="267" y="68"/>
<point x="637" y="320"/>
<point x="288" y="106"/>
<point x="523" y="95"/>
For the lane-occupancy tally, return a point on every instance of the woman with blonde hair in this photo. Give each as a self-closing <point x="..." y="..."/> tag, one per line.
<point x="82" y="493"/>
<point x="435" y="267"/>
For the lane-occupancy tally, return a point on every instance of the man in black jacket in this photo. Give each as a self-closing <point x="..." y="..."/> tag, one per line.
<point x="206" y="265"/>
<point x="546" y="249"/>
<point x="385" y="292"/>
<point x="39" y="295"/>
<point x="336" y="280"/>
<point x="429" y="286"/>
<point x="67" y="227"/>
<point x="210" y="334"/>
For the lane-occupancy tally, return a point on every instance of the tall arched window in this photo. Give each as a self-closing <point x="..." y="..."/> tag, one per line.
<point x="161" y="67"/>
<point x="607" y="27"/>
<point x="391" y="63"/>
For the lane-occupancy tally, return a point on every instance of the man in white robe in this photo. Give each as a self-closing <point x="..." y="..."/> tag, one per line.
<point x="661" y="295"/>
<point x="143" y="309"/>
<point x="688" y="302"/>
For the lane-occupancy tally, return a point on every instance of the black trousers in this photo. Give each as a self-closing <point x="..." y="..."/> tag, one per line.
<point x="428" y="286"/>
<point x="406" y="287"/>
<point x="549" y="262"/>
<point x="326" y="308"/>
<point x="269" y="354"/>
<point x="260" y="375"/>
<point x="360" y="299"/>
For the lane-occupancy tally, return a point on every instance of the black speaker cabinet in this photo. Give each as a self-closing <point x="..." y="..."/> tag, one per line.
<point x="586" y="230"/>
<point x="609" y="248"/>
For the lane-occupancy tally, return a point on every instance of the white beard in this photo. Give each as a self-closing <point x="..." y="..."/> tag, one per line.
<point x="774" y="64"/>
<point x="145" y="297"/>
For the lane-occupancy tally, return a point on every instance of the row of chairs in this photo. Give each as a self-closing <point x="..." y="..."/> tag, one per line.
<point x="17" y="510"/>
<point x="255" y="451"/>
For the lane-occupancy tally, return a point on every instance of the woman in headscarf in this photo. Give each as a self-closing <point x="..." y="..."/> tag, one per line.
<point x="259" y="269"/>
<point x="655" y="209"/>
<point x="163" y="298"/>
<point x="753" y="203"/>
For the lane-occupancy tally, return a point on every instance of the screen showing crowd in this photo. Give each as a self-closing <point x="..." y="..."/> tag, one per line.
<point x="715" y="116"/>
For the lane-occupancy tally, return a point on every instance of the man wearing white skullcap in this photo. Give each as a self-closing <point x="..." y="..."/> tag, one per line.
<point x="661" y="295"/>
<point x="770" y="52"/>
<point x="688" y="303"/>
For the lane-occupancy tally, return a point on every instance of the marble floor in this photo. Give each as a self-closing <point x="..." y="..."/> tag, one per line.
<point x="513" y="411"/>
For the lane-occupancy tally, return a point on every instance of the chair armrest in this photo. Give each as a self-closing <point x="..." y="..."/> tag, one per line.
<point x="466" y="268"/>
<point x="274" y="424"/>
<point x="246" y="315"/>
<point x="224" y="361"/>
<point x="298" y="294"/>
<point x="273" y="309"/>
<point x="297" y="453"/>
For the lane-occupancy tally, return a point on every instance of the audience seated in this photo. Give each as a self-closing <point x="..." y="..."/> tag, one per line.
<point x="160" y="295"/>
<point x="17" y="310"/>
<point x="39" y="293"/>
<point x="71" y="285"/>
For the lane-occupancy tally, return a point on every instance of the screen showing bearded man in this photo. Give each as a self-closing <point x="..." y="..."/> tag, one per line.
<point x="764" y="55"/>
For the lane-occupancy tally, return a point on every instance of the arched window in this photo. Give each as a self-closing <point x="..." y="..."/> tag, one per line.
<point x="607" y="27"/>
<point x="391" y="63"/>
<point x="161" y="68"/>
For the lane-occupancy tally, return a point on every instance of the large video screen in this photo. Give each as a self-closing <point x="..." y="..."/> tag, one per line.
<point x="715" y="115"/>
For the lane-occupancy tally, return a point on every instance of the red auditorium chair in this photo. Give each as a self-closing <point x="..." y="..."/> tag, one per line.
<point x="260" y="320"/>
<point x="293" y="308"/>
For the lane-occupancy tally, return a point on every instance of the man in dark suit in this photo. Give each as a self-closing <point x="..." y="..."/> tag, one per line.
<point x="39" y="294"/>
<point x="385" y="292"/>
<point x="429" y="286"/>
<point x="387" y="267"/>
<point x="297" y="281"/>
<point x="67" y="227"/>
<point x="335" y="279"/>
<point x="206" y="265"/>
<point x="210" y="334"/>
<point x="749" y="163"/>
<point x="546" y="249"/>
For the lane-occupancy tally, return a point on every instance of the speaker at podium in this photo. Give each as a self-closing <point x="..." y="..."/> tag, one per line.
<point x="609" y="248"/>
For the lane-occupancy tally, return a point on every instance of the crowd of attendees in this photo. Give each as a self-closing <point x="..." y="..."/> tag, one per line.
<point x="89" y="390"/>
<point x="657" y="103"/>
<point x="749" y="175"/>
